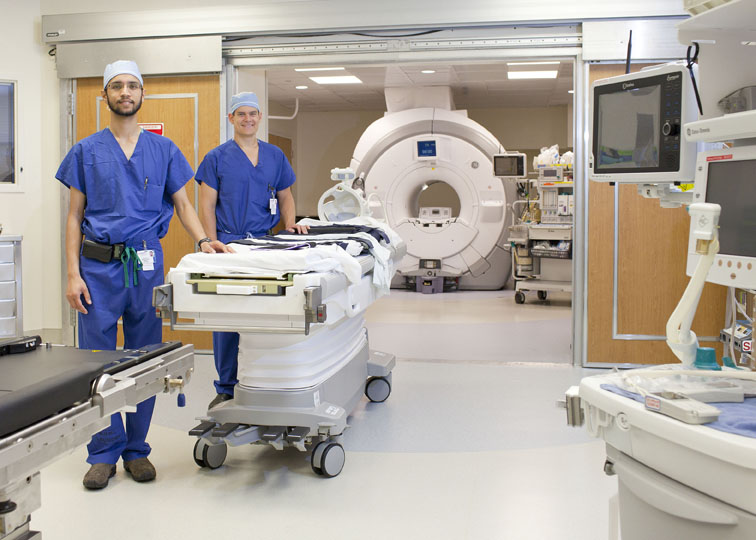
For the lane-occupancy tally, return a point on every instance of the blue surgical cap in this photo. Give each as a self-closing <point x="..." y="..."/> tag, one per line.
<point x="245" y="99"/>
<point x="121" y="67"/>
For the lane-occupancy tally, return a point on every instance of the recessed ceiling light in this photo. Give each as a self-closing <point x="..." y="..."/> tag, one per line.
<point x="302" y="87"/>
<point x="428" y="71"/>
<point x="543" y="63"/>
<point x="346" y="79"/>
<point x="320" y="69"/>
<point x="531" y="74"/>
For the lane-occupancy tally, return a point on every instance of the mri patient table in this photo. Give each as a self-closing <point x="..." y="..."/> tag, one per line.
<point x="304" y="360"/>
<point x="54" y="398"/>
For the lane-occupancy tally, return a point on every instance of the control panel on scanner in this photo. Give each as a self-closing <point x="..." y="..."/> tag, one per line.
<point x="426" y="149"/>
<point x="728" y="178"/>
<point x="636" y="127"/>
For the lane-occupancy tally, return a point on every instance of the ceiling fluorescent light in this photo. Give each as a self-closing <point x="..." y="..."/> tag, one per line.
<point x="570" y="91"/>
<point x="428" y="71"/>
<point x="544" y="63"/>
<point x="346" y="79"/>
<point x="531" y="74"/>
<point x="301" y="87"/>
<point x="320" y="69"/>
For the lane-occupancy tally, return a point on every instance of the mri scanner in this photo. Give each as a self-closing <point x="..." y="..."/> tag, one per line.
<point x="405" y="152"/>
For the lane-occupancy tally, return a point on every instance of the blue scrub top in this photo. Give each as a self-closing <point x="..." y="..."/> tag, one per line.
<point x="127" y="200"/>
<point x="244" y="190"/>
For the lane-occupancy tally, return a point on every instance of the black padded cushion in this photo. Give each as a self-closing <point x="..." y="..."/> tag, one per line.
<point x="40" y="383"/>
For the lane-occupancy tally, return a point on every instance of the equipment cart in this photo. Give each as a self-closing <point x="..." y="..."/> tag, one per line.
<point x="541" y="242"/>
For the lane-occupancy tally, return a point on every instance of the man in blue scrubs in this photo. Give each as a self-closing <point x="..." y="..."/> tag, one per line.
<point x="245" y="189"/>
<point x="124" y="184"/>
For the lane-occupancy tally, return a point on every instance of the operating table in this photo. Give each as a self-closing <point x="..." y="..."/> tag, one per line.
<point x="54" y="398"/>
<point x="304" y="360"/>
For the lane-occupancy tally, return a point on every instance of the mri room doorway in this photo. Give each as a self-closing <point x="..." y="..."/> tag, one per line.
<point x="326" y="129"/>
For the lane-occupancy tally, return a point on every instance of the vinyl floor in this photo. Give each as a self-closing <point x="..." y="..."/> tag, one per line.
<point x="469" y="446"/>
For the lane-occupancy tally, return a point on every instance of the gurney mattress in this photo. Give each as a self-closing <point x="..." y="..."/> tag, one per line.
<point x="37" y="384"/>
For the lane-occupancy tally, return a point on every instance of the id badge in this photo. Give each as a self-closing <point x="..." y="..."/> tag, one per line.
<point x="273" y="203"/>
<point x="147" y="256"/>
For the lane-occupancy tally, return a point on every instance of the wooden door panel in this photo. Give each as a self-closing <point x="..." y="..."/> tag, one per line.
<point x="186" y="105"/>
<point x="285" y="144"/>
<point x="650" y="276"/>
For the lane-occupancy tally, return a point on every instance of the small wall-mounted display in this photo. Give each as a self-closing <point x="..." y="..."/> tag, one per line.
<point x="7" y="132"/>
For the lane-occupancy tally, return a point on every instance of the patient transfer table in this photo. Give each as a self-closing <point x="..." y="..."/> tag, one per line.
<point x="54" y="398"/>
<point x="304" y="359"/>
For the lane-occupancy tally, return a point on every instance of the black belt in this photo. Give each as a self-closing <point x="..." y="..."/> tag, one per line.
<point x="102" y="252"/>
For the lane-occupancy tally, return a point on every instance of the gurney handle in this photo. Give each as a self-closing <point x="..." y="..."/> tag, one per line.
<point x="237" y="328"/>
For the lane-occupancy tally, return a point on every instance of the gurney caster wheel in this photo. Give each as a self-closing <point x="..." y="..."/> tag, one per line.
<point x="209" y="455"/>
<point x="378" y="389"/>
<point x="542" y="295"/>
<point x="519" y="297"/>
<point x="328" y="459"/>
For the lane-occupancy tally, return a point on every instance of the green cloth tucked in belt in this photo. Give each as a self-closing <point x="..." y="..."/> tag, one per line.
<point x="130" y="254"/>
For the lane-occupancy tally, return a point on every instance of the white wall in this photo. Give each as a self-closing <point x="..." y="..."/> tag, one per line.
<point x="143" y="18"/>
<point x="577" y="8"/>
<point x="521" y="128"/>
<point x="33" y="210"/>
<point x="324" y="140"/>
<point x="282" y="128"/>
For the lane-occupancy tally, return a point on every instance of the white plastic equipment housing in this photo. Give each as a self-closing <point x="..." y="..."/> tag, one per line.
<point x="728" y="269"/>
<point x="387" y="156"/>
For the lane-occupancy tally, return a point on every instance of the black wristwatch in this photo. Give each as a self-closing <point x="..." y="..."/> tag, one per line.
<point x="203" y="240"/>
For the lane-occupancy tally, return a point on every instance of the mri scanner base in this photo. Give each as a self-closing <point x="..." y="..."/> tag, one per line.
<point x="492" y="277"/>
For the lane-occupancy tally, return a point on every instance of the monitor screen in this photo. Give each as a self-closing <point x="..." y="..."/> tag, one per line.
<point x="629" y="129"/>
<point x="732" y="185"/>
<point x="636" y="124"/>
<point x="509" y="165"/>
<point x="426" y="148"/>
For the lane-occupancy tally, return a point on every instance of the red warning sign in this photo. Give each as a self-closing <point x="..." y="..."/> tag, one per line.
<point x="719" y="158"/>
<point x="154" y="128"/>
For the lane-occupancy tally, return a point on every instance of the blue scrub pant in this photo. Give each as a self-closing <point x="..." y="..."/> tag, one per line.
<point x="226" y="354"/>
<point x="98" y="329"/>
<point x="226" y="344"/>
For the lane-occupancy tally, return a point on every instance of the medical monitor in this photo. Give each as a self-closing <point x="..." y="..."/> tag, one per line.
<point x="728" y="178"/>
<point x="637" y="124"/>
<point x="510" y="165"/>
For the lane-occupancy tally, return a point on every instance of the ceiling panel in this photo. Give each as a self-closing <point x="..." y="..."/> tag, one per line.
<point x="473" y="86"/>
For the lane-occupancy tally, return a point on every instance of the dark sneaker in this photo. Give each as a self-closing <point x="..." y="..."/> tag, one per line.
<point x="98" y="475"/>
<point x="140" y="469"/>
<point x="220" y="398"/>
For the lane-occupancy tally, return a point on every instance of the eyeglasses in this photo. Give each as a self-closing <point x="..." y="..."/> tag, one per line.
<point x="118" y="86"/>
